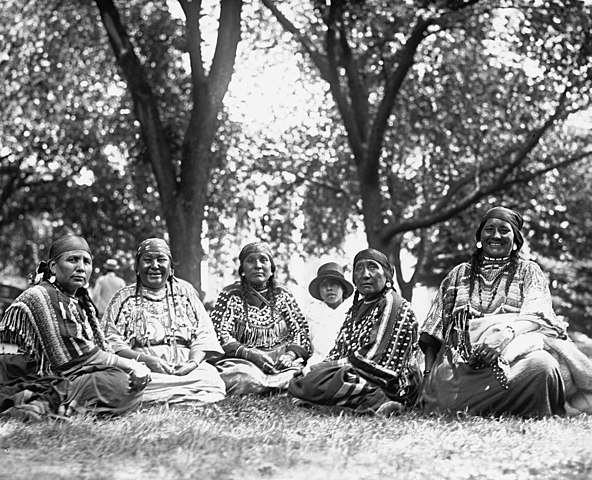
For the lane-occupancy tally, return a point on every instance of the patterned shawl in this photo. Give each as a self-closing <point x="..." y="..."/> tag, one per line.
<point x="379" y="339"/>
<point x="51" y="327"/>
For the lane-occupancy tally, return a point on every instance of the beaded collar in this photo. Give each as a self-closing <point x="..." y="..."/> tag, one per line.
<point x="495" y="261"/>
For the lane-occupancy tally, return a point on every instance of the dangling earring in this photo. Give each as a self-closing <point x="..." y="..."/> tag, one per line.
<point x="52" y="278"/>
<point x="514" y="247"/>
<point x="479" y="244"/>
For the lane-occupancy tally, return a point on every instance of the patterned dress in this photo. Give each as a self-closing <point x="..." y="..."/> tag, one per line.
<point x="275" y="326"/>
<point x="527" y="383"/>
<point x="169" y="324"/>
<point x="373" y="360"/>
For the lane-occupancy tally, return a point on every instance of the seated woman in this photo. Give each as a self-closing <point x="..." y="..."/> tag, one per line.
<point x="260" y="326"/>
<point x="326" y="314"/>
<point x="491" y="340"/>
<point x="372" y="368"/>
<point x="63" y="364"/>
<point x="161" y="322"/>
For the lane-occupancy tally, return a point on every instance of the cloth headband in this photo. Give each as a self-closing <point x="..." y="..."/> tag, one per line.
<point x="67" y="243"/>
<point x="255" y="247"/>
<point x="378" y="257"/>
<point x="153" y="245"/>
<point x="507" y="215"/>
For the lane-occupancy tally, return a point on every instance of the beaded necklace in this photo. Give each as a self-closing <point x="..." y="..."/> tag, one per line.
<point x="504" y="263"/>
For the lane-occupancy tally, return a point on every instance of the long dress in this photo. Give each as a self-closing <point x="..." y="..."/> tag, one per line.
<point x="62" y="361"/>
<point x="529" y="378"/>
<point x="169" y="324"/>
<point x="373" y="361"/>
<point x="276" y="325"/>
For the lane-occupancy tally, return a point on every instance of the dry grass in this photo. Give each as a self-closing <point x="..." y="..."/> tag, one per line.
<point x="266" y="438"/>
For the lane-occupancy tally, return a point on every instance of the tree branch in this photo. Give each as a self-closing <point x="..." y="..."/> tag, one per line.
<point x="143" y="98"/>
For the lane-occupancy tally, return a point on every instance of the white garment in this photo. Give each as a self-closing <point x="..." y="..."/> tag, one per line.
<point x="324" y="323"/>
<point x="105" y="287"/>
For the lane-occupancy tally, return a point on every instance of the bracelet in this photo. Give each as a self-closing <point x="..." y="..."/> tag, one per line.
<point x="194" y="362"/>
<point x="138" y="357"/>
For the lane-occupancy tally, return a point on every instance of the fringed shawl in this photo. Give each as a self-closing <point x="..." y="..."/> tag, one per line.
<point x="43" y="322"/>
<point x="257" y="327"/>
<point x="379" y="339"/>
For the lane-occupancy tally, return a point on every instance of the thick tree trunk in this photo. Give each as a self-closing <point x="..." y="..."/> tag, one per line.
<point x="183" y="197"/>
<point x="185" y="231"/>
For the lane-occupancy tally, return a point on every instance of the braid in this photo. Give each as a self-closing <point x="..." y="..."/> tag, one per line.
<point x="512" y="268"/>
<point x="244" y="297"/>
<point x="356" y="304"/>
<point x="273" y="289"/>
<point x="173" y="296"/>
<point x="476" y="263"/>
<point x="90" y="310"/>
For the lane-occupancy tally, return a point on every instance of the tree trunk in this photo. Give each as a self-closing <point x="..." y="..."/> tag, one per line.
<point x="183" y="197"/>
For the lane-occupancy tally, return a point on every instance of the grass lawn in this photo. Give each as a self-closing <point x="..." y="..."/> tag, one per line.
<point x="267" y="438"/>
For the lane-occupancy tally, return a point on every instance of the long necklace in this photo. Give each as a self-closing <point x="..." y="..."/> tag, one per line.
<point x="495" y="285"/>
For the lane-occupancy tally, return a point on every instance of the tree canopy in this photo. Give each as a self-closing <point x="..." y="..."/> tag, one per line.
<point x="116" y="125"/>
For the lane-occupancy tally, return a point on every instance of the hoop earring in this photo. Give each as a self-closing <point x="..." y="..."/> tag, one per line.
<point x="389" y="285"/>
<point x="479" y="244"/>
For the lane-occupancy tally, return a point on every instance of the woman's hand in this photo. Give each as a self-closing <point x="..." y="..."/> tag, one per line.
<point x="285" y="360"/>
<point x="261" y="359"/>
<point x="492" y="347"/>
<point x="186" y="367"/>
<point x="156" y="364"/>
<point x="140" y="370"/>
<point x="495" y="343"/>
<point x="139" y="377"/>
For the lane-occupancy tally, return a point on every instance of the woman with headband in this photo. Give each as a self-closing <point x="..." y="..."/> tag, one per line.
<point x="161" y="322"/>
<point x="372" y="367"/>
<point x="492" y="342"/>
<point x="260" y="326"/>
<point x="63" y="364"/>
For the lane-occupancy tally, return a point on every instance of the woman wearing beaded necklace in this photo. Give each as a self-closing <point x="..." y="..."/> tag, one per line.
<point x="372" y="368"/>
<point x="492" y="342"/>
<point x="261" y="328"/>
<point x="160" y="321"/>
<point x="62" y="364"/>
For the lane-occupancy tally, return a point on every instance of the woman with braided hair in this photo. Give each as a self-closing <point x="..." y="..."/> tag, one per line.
<point x="262" y="330"/>
<point x="492" y="342"/>
<point x="62" y="364"/>
<point x="161" y="322"/>
<point x="372" y="368"/>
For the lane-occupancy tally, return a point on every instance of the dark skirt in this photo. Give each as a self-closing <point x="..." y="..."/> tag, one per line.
<point x="329" y="384"/>
<point x="534" y="388"/>
<point x="97" y="389"/>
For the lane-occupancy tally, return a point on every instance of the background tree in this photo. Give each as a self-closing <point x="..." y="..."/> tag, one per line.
<point x="182" y="171"/>
<point x="438" y="105"/>
<point x="64" y="140"/>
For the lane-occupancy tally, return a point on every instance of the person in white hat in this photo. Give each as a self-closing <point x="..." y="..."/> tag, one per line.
<point x="326" y="313"/>
<point x="107" y="285"/>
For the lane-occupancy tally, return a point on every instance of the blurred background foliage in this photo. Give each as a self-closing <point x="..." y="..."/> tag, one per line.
<point x="316" y="140"/>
